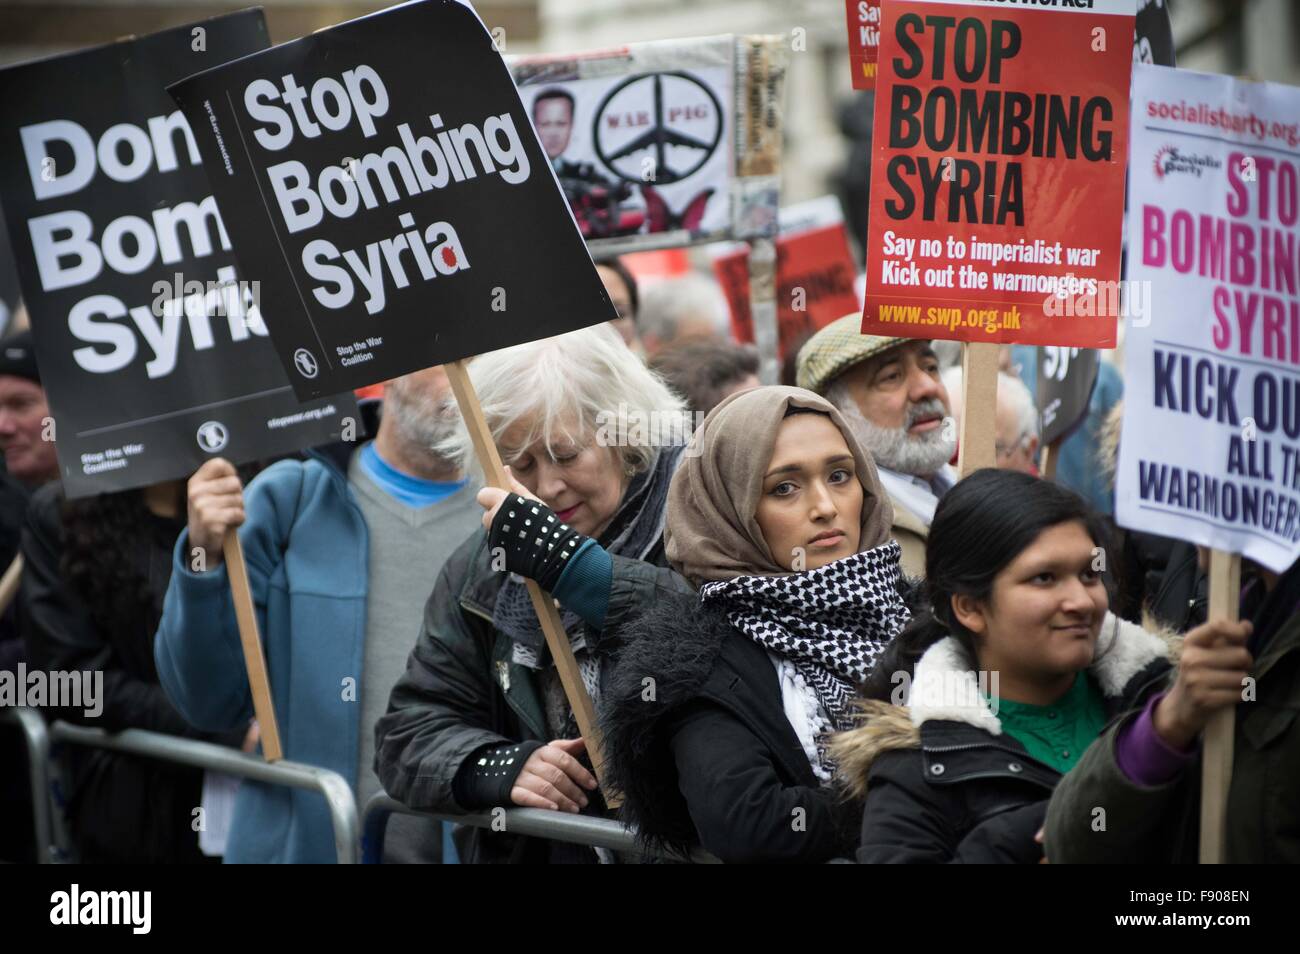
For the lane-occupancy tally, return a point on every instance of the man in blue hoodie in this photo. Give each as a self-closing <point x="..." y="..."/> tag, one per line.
<point x="342" y="550"/>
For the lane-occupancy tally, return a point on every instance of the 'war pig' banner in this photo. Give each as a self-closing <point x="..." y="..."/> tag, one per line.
<point x="997" y="185"/>
<point x="152" y="347"/>
<point x="1210" y="448"/>
<point x="394" y="199"/>
<point x="663" y="143"/>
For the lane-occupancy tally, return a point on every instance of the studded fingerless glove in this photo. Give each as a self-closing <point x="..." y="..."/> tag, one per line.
<point x="484" y="780"/>
<point x="536" y="543"/>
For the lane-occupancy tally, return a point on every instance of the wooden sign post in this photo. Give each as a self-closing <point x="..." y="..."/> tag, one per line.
<point x="1216" y="747"/>
<point x="9" y="582"/>
<point x="251" y="641"/>
<point x="1051" y="458"/>
<point x="557" y="640"/>
<point x="979" y="388"/>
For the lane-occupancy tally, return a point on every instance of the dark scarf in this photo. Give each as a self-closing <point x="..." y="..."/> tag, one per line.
<point x="831" y="623"/>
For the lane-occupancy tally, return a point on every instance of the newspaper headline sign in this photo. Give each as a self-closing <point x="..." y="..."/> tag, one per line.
<point x="662" y="143"/>
<point x="814" y="275"/>
<point x="395" y="202"/>
<point x="1210" y="447"/>
<point x="864" y="40"/>
<point x="997" y="185"/>
<point x="152" y="345"/>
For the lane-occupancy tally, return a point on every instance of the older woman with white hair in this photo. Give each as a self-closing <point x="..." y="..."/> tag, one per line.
<point x="480" y="718"/>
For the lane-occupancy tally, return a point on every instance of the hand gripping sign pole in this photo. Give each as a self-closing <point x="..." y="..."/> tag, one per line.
<point x="556" y="638"/>
<point x="251" y="642"/>
<point x="1216" y="763"/>
<point x="418" y="311"/>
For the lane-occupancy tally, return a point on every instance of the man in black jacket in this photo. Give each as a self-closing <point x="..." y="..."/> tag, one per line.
<point x="26" y="441"/>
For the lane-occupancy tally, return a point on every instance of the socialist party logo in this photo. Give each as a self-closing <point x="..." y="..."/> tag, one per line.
<point x="671" y="119"/>
<point x="1170" y="160"/>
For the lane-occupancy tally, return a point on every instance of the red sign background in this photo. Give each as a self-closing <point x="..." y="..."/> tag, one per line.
<point x="863" y="18"/>
<point x="929" y="277"/>
<point x="818" y="262"/>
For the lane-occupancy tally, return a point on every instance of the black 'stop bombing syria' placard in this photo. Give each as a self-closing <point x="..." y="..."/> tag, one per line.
<point x="152" y="347"/>
<point x="393" y="197"/>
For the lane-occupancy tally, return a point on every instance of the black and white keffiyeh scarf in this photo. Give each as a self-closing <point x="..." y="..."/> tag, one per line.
<point x="831" y="623"/>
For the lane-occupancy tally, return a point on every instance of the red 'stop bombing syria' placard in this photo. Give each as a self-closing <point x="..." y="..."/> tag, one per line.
<point x="997" y="180"/>
<point x="863" y="18"/>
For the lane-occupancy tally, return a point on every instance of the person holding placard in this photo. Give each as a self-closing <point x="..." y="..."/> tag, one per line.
<point x="480" y="719"/>
<point x="717" y="714"/>
<point x="341" y="548"/>
<point x="1134" y="795"/>
<point x="1008" y="671"/>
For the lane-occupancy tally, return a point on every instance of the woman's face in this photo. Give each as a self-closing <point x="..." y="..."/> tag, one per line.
<point x="583" y="482"/>
<point x="810" y="510"/>
<point x="1044" y="613"/>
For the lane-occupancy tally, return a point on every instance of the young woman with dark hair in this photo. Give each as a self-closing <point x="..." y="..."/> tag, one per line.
<point x="1007" y="672"/>
<point x="717" y="713"/>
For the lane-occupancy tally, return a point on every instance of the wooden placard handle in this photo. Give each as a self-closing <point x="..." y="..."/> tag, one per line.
<point x="1051" y="458"/>
<point x="251" y="641"/>
<point x="979" y="388"/>
<point x="1216" y="747"/>
<point x="557" y="640"/>
<point x="9" y="582"/>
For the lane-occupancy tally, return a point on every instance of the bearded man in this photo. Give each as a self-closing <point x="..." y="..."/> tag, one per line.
<point x="342" y="550"/>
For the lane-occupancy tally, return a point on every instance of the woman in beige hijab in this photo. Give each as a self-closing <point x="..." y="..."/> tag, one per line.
<point x="716" y="715"/>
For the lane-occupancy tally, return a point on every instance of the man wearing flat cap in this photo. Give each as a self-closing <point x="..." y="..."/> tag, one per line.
<point x="889" y="391"/>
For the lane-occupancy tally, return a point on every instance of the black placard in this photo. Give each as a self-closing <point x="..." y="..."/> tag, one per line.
<point x="393" y="197"/>
<point x="1066" y="377"/>
<point x="1153" y="34"/>
<point x="153" y="351"/>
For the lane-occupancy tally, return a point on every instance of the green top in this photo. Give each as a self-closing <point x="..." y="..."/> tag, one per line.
<point x="1056" y="735"/>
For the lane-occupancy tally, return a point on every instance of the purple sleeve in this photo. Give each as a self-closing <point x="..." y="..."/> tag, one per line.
<point x="1144" y="757"/>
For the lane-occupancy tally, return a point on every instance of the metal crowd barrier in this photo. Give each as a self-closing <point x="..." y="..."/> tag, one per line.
<point x="556" y="826"/>
<point x="219" y="758"/>
<point x="37" y="740"/>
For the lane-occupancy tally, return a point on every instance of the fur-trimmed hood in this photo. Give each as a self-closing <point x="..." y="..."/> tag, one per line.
<point x="668" y="653"/>
<point x="944" y="688"/>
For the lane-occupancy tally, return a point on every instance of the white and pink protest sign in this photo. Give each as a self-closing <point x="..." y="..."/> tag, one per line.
<point x="1210" y="450"/>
